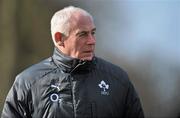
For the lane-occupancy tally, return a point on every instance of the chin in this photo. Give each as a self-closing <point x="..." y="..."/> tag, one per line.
<point x="89" y="59"/>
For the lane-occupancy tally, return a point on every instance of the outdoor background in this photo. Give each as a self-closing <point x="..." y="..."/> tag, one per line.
<point x="141" y="36"/>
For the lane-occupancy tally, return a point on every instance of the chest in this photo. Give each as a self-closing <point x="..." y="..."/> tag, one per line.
<point x="78" y="95"/>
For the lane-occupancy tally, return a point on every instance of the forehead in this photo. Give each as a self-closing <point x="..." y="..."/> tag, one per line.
<point x="82" y="22"/>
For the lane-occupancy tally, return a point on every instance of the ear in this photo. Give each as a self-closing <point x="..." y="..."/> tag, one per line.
<point x="58" y="37"/>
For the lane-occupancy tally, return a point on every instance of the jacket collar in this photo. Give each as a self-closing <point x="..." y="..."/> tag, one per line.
<point x="69" y="64"/>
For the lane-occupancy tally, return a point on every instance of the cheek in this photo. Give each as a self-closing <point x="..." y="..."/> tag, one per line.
<point x="69" y="44"/>
<point x="80" y="44"/>
<point x="77" y="45"/>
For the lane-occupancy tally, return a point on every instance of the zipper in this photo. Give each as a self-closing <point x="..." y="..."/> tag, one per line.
<point x="72" y="96"/>
<point x="71" y="84"/>
<point x="93" y="110"/>
<point x="79" y="64"/>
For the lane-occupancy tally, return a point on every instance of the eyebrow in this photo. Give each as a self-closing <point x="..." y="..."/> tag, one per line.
<point x="94" y="29"/>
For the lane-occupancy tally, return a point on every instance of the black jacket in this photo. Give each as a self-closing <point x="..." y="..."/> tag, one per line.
<point x="62" y="87"/>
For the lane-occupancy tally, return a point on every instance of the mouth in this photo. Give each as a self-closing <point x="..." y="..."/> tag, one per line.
<point x="90" y="51"/>
<point x="87" y="54"/>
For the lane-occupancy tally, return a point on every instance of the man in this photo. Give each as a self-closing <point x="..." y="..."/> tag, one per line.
<point x="73" y="83"/>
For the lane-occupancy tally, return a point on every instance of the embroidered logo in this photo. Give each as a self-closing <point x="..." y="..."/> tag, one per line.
<point x="55" y="97"/>
<point x="104" y="88"/>
<point x="56" y="86"/>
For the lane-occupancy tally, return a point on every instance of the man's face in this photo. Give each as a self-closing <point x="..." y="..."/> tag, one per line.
<point x="81" y="40"/>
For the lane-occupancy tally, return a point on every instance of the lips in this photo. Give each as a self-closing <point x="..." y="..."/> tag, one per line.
<point x="89" y="51"/>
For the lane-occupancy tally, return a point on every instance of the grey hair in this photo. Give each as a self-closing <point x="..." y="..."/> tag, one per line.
<point x="60" y="21"/>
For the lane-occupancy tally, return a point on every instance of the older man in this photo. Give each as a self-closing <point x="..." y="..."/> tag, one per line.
<point x="73" y="82"/>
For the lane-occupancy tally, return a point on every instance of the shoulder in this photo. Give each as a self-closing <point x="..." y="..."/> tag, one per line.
<point x="108" y="66"/>
<point x="28" y="76"/>
<point x="111" y="70"/>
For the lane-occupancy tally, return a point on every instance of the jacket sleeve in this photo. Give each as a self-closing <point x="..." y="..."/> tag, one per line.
<point x="15" y="105"/>
<point x="133" y="104"/>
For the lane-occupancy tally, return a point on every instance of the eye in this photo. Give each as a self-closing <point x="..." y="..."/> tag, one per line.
<point x="82" y="34"/>
<point x="93" y="32"/>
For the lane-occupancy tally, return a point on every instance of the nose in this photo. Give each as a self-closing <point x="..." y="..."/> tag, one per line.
<point x="91" y="40"/>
